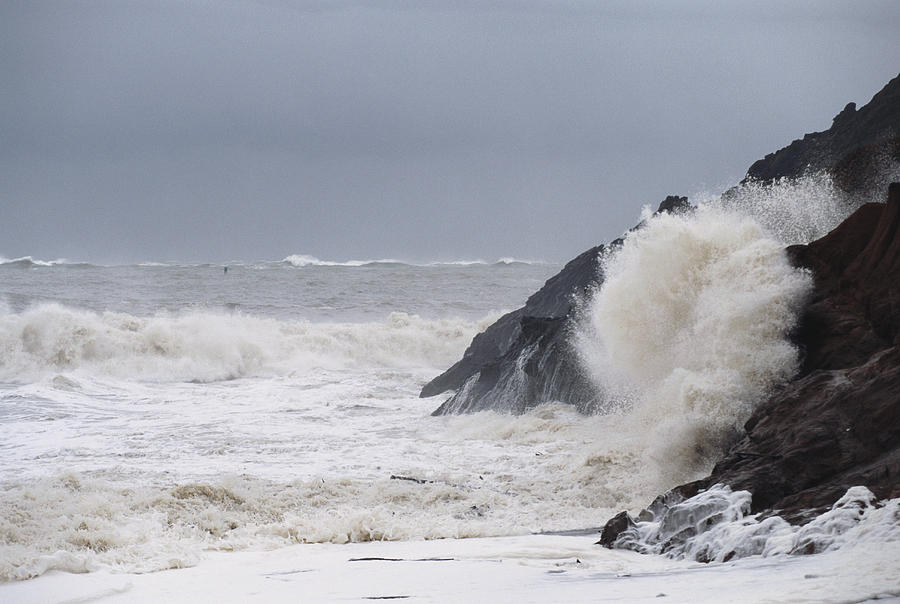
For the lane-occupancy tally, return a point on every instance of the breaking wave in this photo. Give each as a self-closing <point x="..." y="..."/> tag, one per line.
<point x="29" y="262"/>
<point x="303" y="260"/>
<point x="204" y="346"/>
<point x="690" y="329"/>
<point x="300" y="260"/>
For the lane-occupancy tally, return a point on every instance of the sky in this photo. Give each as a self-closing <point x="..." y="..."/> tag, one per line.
<point x="419" y="130"/>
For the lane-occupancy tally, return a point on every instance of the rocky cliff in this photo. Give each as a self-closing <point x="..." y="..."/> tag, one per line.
<point x="836" y="424"/>
<point x="876" y="122"/>
<point x="526" y="357"/>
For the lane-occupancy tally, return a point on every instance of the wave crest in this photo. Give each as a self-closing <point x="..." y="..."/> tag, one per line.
<point x="204" y="346"/>
<point x="29" y="262"/>
<point x="304" y="260"/>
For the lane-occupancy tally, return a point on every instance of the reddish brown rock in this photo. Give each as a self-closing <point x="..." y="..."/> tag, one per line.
<point x="837" y="424"/>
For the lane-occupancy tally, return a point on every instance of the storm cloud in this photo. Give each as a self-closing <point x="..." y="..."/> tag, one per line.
<point x="415" y="130"/>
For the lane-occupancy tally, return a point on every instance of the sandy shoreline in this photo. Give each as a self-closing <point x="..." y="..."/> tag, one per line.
<point x="533" y="568"/>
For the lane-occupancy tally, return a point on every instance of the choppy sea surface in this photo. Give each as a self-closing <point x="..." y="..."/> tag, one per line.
<point x="153" y="414"/>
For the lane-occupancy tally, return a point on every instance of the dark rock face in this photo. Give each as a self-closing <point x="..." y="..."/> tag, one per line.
<point x="527" y="357"/>
<point x="837" y="424"/>
<point x="877" y="121"/>
<point x="614" y="527"/>
<point x="867" y="171"/>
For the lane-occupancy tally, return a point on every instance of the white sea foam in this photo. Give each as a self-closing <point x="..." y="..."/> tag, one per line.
<point x="716" y="526"/>
<point x="125" y="447"/>
<point x="301" y="260"/>
<point x="517" y="569"/>
<point x="475" y="475"/>
<point x="203" y="346"/>
<point x="689" y="331"/>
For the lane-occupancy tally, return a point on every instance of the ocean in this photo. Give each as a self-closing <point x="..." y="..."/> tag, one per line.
<point x="260" y="422"/>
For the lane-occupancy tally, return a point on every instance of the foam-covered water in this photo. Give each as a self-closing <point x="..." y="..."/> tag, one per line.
<point x="716" y="525"/>
<point x="140" y="439"/>
<point x="150" y="413"/>
<point x="214" y="346"/>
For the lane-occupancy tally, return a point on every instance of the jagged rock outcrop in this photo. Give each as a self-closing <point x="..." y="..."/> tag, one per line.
<point x="878" y="120"/>
<point x="866" y="171"/>
<point x="527" y="357"/>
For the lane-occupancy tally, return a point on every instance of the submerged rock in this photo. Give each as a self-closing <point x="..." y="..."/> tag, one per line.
<point x="716" y="525"/>
<point x="614" y="527"/>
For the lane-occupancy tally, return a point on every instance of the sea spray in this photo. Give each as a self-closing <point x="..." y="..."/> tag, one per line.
<point x="792" y="211"/>
<point x="690" y="329"/>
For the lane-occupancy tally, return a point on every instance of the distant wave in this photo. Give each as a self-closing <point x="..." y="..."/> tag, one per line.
<point x="505" y="261"/>
<point x="302" y="260"/>
<point x="306" y="260"/>
<point x="29" y="262"/>
<point x="296" y="260"/>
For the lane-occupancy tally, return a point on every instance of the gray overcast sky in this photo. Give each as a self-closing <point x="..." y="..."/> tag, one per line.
<point x="414" y="130"/>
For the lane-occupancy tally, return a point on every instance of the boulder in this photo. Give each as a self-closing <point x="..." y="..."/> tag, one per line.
<point x="614" y="527"/>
